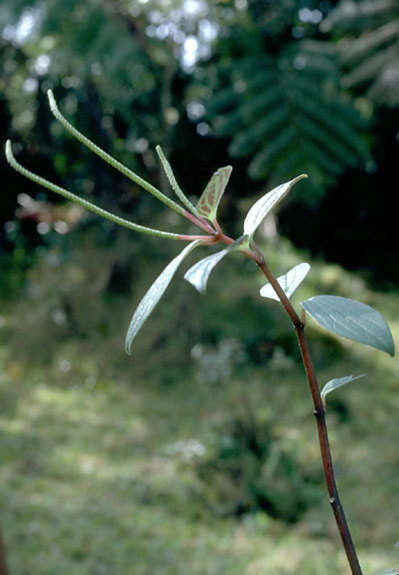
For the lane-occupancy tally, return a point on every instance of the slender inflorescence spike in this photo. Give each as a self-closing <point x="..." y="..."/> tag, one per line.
<point x="172" y="180"/>
<point x="109" y="159"/>
<point x="84" y="203"/>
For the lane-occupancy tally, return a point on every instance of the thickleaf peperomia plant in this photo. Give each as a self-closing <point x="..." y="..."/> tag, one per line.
<point x="341" y="316"/>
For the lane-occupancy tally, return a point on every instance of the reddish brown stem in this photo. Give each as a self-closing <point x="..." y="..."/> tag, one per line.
<point x="190" y="238"/>
<point x="3" y="566"/>
<point x="320" y="419"/>
<point x="200" y="222"/>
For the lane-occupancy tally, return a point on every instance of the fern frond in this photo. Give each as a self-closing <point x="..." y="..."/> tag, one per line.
<point x="264" y="160"/>
<point x="338" y="129"/>
<point x="368" y="44"/>
<point x="322" y="159"/>
<point x="228" y="125"/>
<point x="370" y="47"/>
<point x="299" y="117"/>
<point x="372" y="66"/>
<point x="222" y="101"/>
<point x="256" y="104"/>
<point x="322" y="137"/>
<point x="247" y="141"/>
<point x="293" y="162"/>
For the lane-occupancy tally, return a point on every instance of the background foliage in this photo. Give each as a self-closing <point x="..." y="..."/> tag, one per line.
<point x="218" y="474"/>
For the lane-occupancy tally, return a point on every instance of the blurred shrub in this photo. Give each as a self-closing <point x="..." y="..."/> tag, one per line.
<point x="248" y="468"/>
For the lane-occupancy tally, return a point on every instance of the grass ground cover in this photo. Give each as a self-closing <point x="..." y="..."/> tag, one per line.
<point x="98" y="465"/>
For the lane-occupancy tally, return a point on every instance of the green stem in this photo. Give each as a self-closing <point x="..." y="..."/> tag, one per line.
<point x="84" y="203"/>
<point x="109" y="159"/>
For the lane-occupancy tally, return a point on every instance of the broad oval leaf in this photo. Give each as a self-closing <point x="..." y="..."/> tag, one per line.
<point x="336" y="383"/>
<point x="209" y="201"/>
<point x="351" y="319"/>
<point x="262" y="207"/>
<point x="289" y="282"/>
<point x="199" y="273"/>
<point x="154" y="294"/>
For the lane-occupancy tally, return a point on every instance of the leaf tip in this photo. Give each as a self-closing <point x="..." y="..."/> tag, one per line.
<point x="51" y="101"/>
<point x="299" y="178"/>
<point x="190" y="278"/>
<point x="128" y="342"/>
<point x="8" y="149"/>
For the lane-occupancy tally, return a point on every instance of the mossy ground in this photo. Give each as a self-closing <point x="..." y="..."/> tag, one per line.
<point x="95" y="477"/>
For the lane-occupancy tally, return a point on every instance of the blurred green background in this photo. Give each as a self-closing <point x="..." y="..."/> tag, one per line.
<point x="198" y="454"/>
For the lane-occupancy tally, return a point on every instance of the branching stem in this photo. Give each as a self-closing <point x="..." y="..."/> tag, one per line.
<point x="200" y="222"/>
<point x="319" y="413"/>
<point x="92" y="207"/>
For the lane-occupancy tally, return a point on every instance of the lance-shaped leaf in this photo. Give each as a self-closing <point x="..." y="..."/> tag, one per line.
<point x="336" y="383"/>
<point x="351" y="319"/>
<point x="154" y="294"/>
<point x="209" y="201"/>
<point x="173" y="182"/>
<point x="289" y="282"/>
<point x="264" y="205"/>
<point x="199" y="273"/>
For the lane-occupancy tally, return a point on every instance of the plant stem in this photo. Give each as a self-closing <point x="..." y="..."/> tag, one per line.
<point x="319" y="413"/>
<point x="3" y="567"/>
<point x="200" y="222"/>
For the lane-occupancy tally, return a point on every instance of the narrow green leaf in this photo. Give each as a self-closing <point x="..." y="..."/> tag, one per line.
<point x="351" y="319"/>
<point x="289" y="282"/>
<point x="336" y="383"/>
<point x="172" y="180"/>
<point x="209" y="201"/>
<point x="199" y="273"/>
<point x="81" y="201"/>
<point x="264" y="205"/>
<point x="109" y="159"/>
<point x="154" y="294"/>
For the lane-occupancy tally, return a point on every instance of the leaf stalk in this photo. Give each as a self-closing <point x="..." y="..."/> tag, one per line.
<point x="109" y="159"/>
<point x="86" y="204"/>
